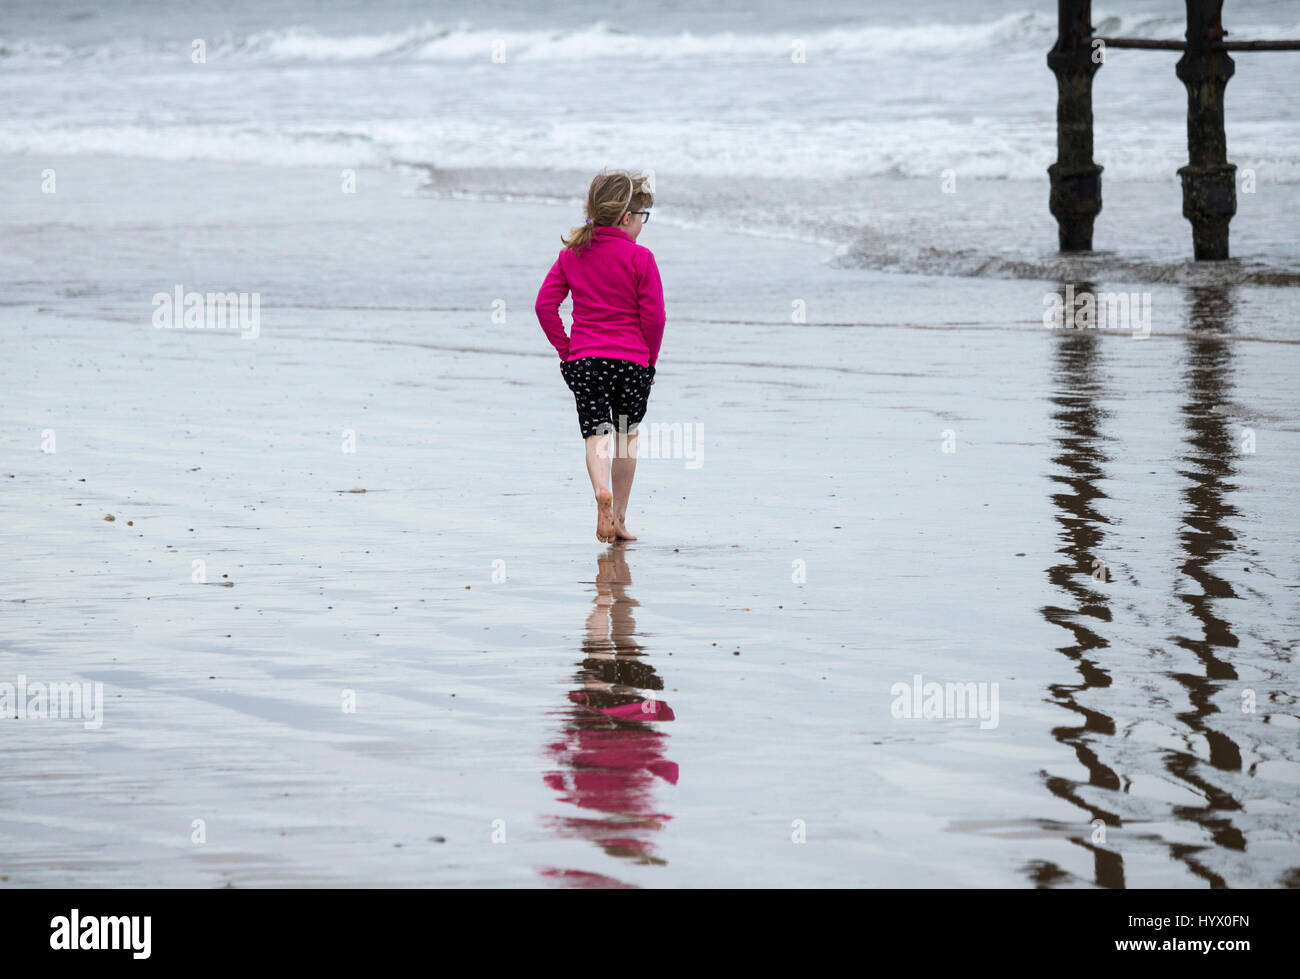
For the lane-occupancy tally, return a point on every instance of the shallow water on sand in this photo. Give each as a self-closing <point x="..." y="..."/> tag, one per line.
<point x="534" y="708"/>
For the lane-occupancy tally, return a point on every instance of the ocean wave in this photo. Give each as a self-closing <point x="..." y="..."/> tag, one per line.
<point x="1059" y="267"/>
<point x="797" y="149"/>
<point x="227" y="144"/>
<point x="602" y="41"/>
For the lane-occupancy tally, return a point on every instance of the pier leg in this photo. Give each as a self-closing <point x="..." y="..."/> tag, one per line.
<point x="1209" y="180"/>
<point x="1076" y="180"/>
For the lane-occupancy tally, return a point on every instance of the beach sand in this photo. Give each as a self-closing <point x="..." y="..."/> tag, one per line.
<point x="820" y="548"/>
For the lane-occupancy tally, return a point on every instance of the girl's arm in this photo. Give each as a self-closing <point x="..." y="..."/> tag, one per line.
<point x="553" y="292"/>
<point x="651" y="308"/>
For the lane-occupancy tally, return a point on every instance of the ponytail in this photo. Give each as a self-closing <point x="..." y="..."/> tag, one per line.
<point x="610" y="196"/>
<point x="580" y="237"/>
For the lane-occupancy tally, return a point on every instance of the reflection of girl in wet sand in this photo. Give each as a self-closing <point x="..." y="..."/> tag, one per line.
<point x="608" y="358"/>
<point x="613" y="674"/>
<point x="608" y="758"/>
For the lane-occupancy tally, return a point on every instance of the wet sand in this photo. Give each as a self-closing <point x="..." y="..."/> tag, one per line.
<point x="534" y="708"/>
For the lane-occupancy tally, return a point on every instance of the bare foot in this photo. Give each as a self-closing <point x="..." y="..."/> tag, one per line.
<point x="605" y="516"/>
<point x="620" y="528"/>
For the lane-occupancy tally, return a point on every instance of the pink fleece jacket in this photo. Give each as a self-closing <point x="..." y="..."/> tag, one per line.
<point x="618" y="300"/>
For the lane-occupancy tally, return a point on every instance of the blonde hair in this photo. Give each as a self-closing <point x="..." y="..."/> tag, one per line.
<point x="607" y="201"/>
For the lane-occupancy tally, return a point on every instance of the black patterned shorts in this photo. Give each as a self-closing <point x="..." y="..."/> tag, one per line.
<point x="608" y="393"/>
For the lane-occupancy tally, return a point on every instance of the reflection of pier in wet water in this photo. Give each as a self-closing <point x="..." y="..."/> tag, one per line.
<point x="1213" y="774"/>
<point x="1080" y="460"/>
<point x="610" y="757"/>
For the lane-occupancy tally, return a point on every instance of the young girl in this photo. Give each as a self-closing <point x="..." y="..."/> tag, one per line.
<point x="608" y="358"/>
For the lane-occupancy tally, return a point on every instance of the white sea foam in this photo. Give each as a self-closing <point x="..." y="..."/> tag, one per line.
<point x="432" y="41"/>
<point x="777" y="149"/>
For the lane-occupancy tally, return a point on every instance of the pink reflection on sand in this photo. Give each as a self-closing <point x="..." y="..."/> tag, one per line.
<point x="610" y="758"/>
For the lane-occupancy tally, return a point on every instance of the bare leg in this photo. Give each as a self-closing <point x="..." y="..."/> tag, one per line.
<point x="624" y="470"/>
<point x="598" y="468"/>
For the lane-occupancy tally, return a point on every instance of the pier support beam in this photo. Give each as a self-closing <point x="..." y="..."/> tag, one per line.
<point x="1209" y="180"/>
<point x="1076" y="180"/>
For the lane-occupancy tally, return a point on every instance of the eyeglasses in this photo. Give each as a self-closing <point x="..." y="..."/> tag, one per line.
<point x="645" y="216"/>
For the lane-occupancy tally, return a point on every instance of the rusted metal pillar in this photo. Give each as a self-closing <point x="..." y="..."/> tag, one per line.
<point x="1076" y="180"/>
<point x="1209" y="180"/>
